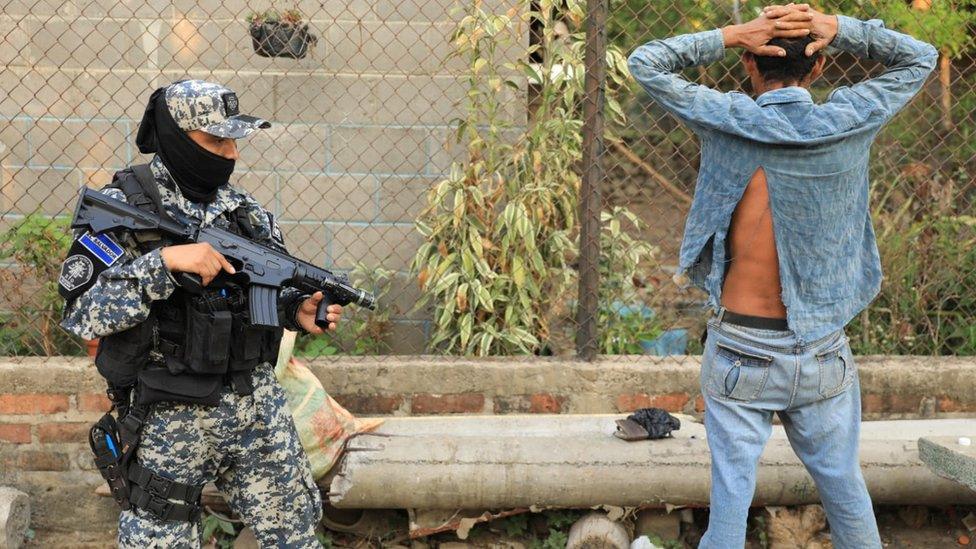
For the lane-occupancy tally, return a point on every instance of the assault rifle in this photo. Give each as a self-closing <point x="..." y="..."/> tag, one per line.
<point x="262" y="268"/>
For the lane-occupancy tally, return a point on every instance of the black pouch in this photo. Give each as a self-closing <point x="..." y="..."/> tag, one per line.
<point x="270" y="344"/>
<point x="248" y="340"/>
<point x="122" y="355"/>
<point x="207" y="343"/>
<point x="159" y="385"/>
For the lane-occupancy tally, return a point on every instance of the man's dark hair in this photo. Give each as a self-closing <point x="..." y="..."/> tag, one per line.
<point x="794" y="67"/>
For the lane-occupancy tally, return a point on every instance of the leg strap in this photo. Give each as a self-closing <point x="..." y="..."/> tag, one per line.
<point x="152" y="492"/>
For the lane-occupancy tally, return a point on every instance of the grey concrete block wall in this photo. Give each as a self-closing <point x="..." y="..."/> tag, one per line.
<point x="361" y="125"/>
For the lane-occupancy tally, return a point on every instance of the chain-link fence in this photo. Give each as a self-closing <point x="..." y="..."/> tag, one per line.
<point x="433" y="149"/>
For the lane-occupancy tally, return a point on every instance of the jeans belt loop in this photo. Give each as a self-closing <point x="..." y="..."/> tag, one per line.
<point x="720" y="316"/>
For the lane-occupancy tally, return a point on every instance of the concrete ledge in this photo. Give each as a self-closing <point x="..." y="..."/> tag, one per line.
<point x="947" y="458"/>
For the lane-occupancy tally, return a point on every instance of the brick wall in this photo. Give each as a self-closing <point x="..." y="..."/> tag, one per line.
<point x="891" y="387"/>
<point x="360" y="131"/>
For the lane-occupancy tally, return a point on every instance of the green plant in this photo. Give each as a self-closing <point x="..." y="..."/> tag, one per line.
<point x="558" y="523"/>
<point x="499" y="229"/>
<point x="926" y="305"/>
<point x="290" y="17"/>
<point x="555" y="540"/>
<point x="35" y="246"/>
<point x="665" y="543"/>
<point x="219" y="531"/>
<point x="621" y="327"/>
<point x="761" y="531"/>
<point x="325" y="539"/>
<point x="516" y="526"/>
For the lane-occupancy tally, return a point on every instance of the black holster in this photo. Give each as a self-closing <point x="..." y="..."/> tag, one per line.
<point x="107" y="449"/>
<point x="114" y="445"/>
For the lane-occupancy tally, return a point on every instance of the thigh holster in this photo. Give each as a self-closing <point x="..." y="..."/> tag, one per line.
<point x="154" y="493"/>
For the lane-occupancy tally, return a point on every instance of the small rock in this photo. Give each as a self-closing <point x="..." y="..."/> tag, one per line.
<point x="970" y="522"/>
<point x="14" y="517"/>
<point x="506" y="545"/>
<point x="915" y="516"/>
<point x="644" y="542"/>
<point x="655" y="521"/>
<point x="796" y="527"/>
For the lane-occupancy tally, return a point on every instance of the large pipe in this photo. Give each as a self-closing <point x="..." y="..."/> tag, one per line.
<point x="574" y="461"/>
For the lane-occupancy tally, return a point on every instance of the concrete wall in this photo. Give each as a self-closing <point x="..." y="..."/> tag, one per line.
<point x="360" y="125"/>
<point x="47" y="405"/>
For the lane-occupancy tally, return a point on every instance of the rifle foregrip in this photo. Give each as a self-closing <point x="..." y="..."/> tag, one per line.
<point x="322" y="312"/>
<point x="264" y="305"/>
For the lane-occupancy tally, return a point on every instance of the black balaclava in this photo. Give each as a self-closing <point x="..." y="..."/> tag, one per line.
<point x="197" y="172"/>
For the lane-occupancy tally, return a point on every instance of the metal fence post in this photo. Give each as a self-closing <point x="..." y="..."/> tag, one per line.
<point x="589" y="262"/>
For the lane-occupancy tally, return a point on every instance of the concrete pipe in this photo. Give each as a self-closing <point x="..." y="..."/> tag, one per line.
<point x="574" y="461"/>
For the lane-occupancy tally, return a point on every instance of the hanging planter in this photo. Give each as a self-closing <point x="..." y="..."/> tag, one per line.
<point x="275" y="34"/>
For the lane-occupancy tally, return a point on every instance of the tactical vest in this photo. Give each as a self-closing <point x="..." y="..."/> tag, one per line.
<point x="190" y="345"/>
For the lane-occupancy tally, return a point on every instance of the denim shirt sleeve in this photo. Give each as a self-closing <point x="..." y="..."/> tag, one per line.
<point x="908" y="62"/>
<point x="655" y="66"/>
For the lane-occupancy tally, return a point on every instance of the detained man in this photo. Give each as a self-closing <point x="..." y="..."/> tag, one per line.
<point x="780" y="236"/>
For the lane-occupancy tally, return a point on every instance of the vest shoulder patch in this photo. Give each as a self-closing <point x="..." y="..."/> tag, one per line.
<point x="88" y="257"/>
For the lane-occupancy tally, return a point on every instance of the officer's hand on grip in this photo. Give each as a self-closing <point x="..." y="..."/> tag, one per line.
<point x="198" y="258"/>
<point x="306" y="314"/>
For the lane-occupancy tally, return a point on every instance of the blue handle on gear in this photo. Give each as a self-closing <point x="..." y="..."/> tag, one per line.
<point x="111" y="445"/>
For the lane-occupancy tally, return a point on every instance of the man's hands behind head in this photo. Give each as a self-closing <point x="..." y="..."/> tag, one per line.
<point x="790" y="21"/>
<point x="822" y="27"/>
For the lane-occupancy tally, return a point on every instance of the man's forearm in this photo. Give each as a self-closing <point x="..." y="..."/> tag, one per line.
<point x="871" y="40"/>
<point x="671" y="55"/>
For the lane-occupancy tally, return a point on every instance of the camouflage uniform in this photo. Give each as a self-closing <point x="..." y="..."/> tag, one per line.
<point x="248" y="445"/>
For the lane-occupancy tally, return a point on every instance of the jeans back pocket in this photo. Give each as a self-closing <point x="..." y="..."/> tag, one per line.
<point x="741" y="374"/>
<point x="836" y="370"/>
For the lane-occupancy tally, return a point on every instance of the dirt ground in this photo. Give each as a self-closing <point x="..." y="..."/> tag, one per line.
<point x="901" y="528"/>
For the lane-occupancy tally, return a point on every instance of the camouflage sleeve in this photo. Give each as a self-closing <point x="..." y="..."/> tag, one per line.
<point x="121" y="295"/>
<point x="268" y="232"/>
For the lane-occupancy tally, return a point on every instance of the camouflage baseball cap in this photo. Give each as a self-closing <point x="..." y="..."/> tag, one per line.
<point x="200" y="105"/>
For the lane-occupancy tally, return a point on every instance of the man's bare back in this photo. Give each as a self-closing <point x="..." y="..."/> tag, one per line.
<point x="752" y="285"/>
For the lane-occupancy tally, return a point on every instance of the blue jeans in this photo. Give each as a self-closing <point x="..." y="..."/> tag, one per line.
<point x="746" y="376"/>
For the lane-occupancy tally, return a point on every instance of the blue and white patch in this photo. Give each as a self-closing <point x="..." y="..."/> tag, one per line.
<point x="102" y="247"/>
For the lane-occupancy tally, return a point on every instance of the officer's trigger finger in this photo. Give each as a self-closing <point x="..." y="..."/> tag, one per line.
<point x="224" y="263"/>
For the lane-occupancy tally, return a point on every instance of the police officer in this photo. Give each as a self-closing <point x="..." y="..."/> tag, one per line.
<point x="186" y="370"/>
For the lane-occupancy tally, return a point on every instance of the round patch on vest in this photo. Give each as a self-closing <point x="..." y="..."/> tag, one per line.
<point x="76" y="271"/>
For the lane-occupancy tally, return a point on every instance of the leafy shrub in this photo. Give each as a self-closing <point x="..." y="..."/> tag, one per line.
<point x="927" y="303"/>
<point x="34" y="249"/>
<point x="623" y="322"/>
<point x="499" y="230"/>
